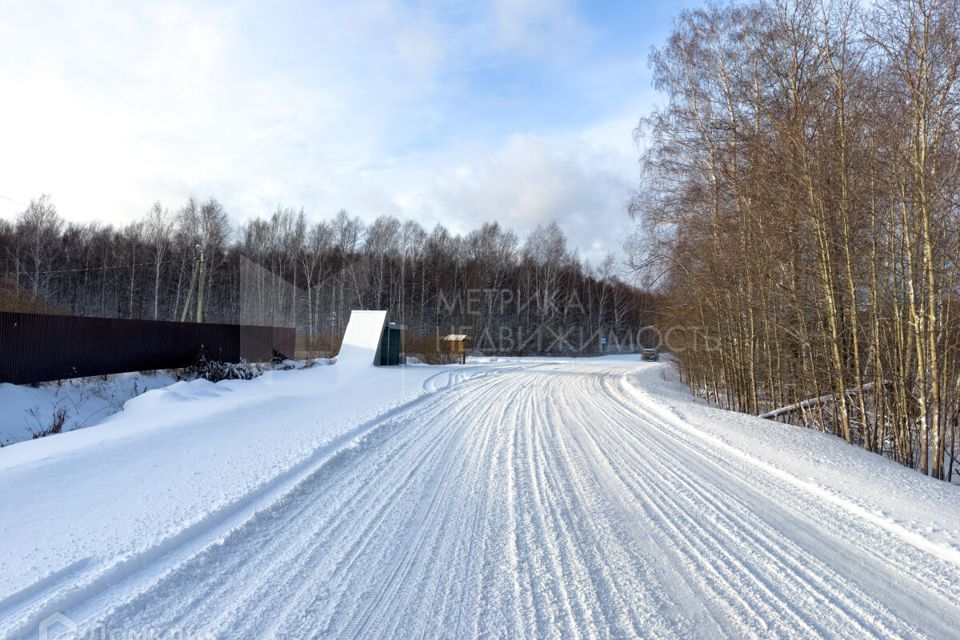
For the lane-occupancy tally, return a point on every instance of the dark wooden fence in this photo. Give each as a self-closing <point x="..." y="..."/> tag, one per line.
<point x="35" y="348"/>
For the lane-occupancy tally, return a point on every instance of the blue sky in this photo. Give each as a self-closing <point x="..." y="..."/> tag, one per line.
<point x="455" y="112"/>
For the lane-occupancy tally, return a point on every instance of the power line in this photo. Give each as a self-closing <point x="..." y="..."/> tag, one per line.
<point x="119" y="266"/>
<point x="22" y="204"/>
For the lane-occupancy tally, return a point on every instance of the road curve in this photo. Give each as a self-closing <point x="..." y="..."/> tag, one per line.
<point x="545" y="501"/>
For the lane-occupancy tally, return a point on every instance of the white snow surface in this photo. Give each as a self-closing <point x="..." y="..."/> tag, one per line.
<point x="27" y="410"/>
<point x="506" y="498"/>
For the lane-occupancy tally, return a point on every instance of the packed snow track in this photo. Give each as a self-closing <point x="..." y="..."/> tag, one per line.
<point x="547" y="500"/>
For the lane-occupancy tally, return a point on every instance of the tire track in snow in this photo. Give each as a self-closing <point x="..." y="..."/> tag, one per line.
<point x="701" y="571"/>
<point x="327" y="550"/>
<point x="812" y="523"/>
<point x="541" y="502"/>
<point x="155" y="563"/>
<point x="785" y="584"/>
<point x="885" y="557"/>
<point x="580" y="514"/>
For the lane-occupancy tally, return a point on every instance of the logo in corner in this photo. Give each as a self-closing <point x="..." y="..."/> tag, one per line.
<point x="56" y="625"/>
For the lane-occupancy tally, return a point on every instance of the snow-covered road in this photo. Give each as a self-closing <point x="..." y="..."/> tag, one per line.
<point x="556" y="499"/>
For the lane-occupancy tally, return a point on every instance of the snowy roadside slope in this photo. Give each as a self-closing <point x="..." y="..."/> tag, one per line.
<point x="557" y="498"/>
<point x="900" y="501"/>
<point x="26" y="410"/>
<point x="547" y="498"/>
<point x="175" y="458"/>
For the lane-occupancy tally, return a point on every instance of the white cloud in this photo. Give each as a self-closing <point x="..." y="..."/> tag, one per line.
<point x="109" y="106"/>
<point x="530" y="180"/>
<point x="127" y="105"/>
<point x="537" y="25"/>
<point x="581" y="179"/>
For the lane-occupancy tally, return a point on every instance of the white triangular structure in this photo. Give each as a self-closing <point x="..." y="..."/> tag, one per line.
<point x="361" y="341"/>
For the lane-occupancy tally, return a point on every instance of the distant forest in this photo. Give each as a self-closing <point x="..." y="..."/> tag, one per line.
<point x="512" y="297"/>
<point x="801" y="203"/>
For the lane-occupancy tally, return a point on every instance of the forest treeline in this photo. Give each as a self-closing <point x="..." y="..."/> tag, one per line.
<point x="800" y="206"/>
<point x="191" y="263"/>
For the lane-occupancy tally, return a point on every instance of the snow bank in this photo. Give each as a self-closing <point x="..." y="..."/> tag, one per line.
<point x="177" y="457"/>
<point x="27" y="410"/>
<point x="181" y="467"/>
<point x="903" y="502"/>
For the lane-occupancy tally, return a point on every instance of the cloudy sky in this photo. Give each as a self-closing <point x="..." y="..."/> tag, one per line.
<point x="457" y="112"/>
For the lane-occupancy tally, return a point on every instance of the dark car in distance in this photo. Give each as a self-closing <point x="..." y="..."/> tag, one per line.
<point x="649" y="355"/>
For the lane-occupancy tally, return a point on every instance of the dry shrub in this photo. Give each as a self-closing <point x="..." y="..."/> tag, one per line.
<point x="17" y="299"/>
<point x="424" y="347"/>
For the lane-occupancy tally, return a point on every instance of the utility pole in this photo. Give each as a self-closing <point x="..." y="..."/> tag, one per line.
<point x="200" y="285"/>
